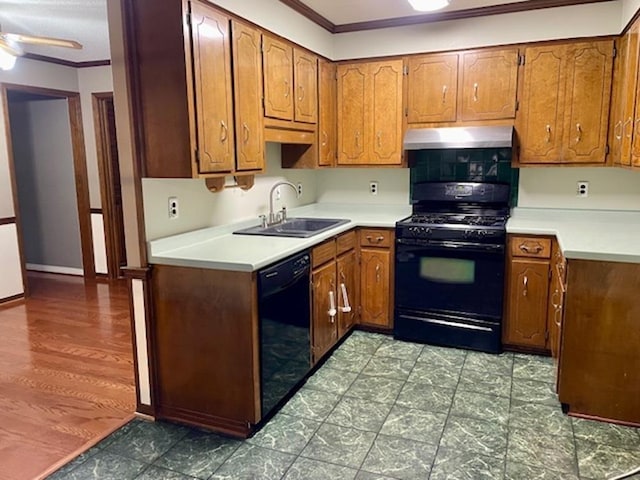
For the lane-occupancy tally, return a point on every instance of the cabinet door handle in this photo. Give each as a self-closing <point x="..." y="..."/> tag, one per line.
<point x="527" y="248"/>
<point x="475" y="92"/>
<point x="378" y="273"/>
<point x="378" y="239"/>
<point x="548" y="129"/>
<point x="325" y="139"/>
<point x="357" y="139"/>
<point x="332" y="306"/>
<point x="246" y="133"/>
<point x="579" y="130"/>
<point x="301" y="93"/>
<point x="626" y="124"/>
<point x="618" y="128"/>
<point x="444" y="94"/>
<point x="556" y="306"/>
<point x="224" y="131"/>
<point x="346" y="308"/>
<point x="379" y="139"/>
<point x="286" y="89"/>
<point x="525" y="282"/>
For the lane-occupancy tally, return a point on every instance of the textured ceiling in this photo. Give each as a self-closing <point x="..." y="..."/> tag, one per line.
<point x="82" y="20"/>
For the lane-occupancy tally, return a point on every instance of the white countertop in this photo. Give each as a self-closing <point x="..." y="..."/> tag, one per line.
<point x="219" y="248"/>
<point x="584" y="234"/>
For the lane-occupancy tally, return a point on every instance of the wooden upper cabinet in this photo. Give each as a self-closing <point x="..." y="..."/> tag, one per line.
<point x="619" y="103"/>
<point x="213" y="89"/>
<point x="632" y="98"/>
<point x="247" y="66"/>
<point x="327" y="130"/>
<point x="386" y="79"/>
<point x="588" y="95"/>
<point x="305" y="74"/>
<point x="277" y="60"/>
<point x="352" y="97"/>
<point x="489" y="84"/>
<point x="432" y="88"/>
<point x="540" y="119"/>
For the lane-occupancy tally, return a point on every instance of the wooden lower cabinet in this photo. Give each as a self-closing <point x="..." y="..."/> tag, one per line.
<point x="324" y="323"/>
<point x="376" y="277"/>
<point x="347" y="275"/>
<point x="557" y="292"/>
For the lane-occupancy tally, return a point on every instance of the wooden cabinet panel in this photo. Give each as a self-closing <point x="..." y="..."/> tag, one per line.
<point x="346" y="242"/>
<point x="489" y="84"/>
<point x="386" y="112"/>
<point x="376" y="237"/>
<point x="327" y="130"/>
<point x="305" y="74"/>
<point x="432" y="88"/>
<point x="347" y="282"/>
<point x="530" y="247"/>
<point x="631" y="99"/>
<point x="375" y="271"/>
<point x="213" y="90"/>
<point x="526" y="322"/>
<point x="277" y="60"/>
<point x="352" y="120"/>
<point x="323" y="253"/>
<point x="588" y="87"/>
<point x="324" y="324"/>
<point x="247" y="67"/>
<point x="618" y="102"/>
<point x="556" y="301"/>
<point x="540" y="119"/>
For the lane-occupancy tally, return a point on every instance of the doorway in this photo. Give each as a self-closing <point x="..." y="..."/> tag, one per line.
<point x="110" y="187"/>
<point x="49" y="175"/>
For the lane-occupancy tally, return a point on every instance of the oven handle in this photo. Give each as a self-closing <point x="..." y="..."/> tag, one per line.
<point x="449" y="323"/>
<point x="461" y="246"/>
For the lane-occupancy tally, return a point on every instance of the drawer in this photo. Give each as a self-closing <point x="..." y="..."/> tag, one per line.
<point x="346" y="242"/>
<point x="370" y="237"/>
<point x="323" y="253"/>
<point x="531" y="247"/>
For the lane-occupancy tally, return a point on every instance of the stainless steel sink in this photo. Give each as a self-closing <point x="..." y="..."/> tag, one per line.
<point x="295" y="227"/>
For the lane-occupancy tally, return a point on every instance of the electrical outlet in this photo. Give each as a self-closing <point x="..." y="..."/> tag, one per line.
<point x="278" y="193"/>
<point x="299" y="189"/>
<point x="583" y="188"/>
<point x="373" y="188"/>
<point x="174" y="207"/>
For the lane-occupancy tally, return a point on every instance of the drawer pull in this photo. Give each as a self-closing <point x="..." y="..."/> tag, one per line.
<point x="548" y="129"/>
<point x="527" y="248"/>
<point x="378" y="239"/>
<point x="525" y="282"/>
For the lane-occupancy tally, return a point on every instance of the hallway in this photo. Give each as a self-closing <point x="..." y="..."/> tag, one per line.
<point x="66" y="371"/>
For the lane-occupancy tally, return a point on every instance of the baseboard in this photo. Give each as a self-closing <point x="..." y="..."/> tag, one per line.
<point x="55" y="269"/>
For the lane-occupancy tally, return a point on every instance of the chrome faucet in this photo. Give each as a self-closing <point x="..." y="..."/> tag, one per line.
<point x="279" y="217"/>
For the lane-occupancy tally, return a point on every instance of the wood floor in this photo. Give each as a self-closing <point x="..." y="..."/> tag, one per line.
<point x="66" y="371"/>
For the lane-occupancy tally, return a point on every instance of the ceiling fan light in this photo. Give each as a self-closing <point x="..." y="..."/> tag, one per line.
<point x="428" y="5"/>
<point x="7" y="61"/>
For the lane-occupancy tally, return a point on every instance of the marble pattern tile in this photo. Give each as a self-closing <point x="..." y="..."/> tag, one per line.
<point x="349" y="360"/>
<point x="362" y="475"/>
<point x="534" y="367"/>
<point x="307" y="469"/>
<point x="482" y="407"/>
<point x="250" y="462"/>
<point x="363" y="342"/>
<point x="604" y="461"/>
<point x="425" y="397"/>
<point x="198" y="454"/>
<point x="414" y="424"/>
<point x="477" y="381"/>
<point x="442" y="357"/>
<point x="146" y="441"/>
<point x="401" y="350"/>
<point x="476" y="436"/>
<point x="606" y="433"/>
<point x="339" y="445"/>
<point x="312" y="404"/>
<point x="489" y="363"/>
<point x="441" y="377"/>
<point x="400" y="458"/>
<point x="359" y="413"/>
<point x="539" y="418"/>
<point x="286" y="433"/>
<point x="107" y="466"/>
<point x="534" y="392"/>
<point x="543" y="451"/>
<point x="331" y="380"/>
<point x="376" y="389"/>
<point x="388" y="367"/>
<point x="521" y="471"/>
<point x="157" y="473"/>
<point x="455" y="465"/>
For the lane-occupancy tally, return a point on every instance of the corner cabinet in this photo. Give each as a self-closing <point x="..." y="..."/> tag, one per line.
<point x="370" y="113"/>
<point x="376" y="270"/>
<point x="191" y="125"/>
<point x="564" y="103"/>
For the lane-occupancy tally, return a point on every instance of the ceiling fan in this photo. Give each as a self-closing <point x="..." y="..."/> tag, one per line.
<point x="10" y="46"/>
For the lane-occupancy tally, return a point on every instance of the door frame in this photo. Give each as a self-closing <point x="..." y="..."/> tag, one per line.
<point x="107" y="177"/>
<point x="79" y="167"/>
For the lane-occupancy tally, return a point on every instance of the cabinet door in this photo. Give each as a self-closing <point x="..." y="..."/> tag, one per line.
<point x="327" y="127"/>
<point x="619" y="102"/>
<point x="277" y="59"/>
<point x="556" y="302"/>
<point x="540" y="118"/>
<point x="632" y="98"/>
<point x="588" y="95"/>
<point x="526" y="322"/>
<point x="305" y="74"/>
<point x="347" y="270"/>
<point x="352" y="81"/>
<point x="247" y="63"/>
<point x="432" y="88"/>
<point x="489" y="84"/>
<point x="212" y="89"/>
<point x="375" y="269"/>
<point x="385" y="103"/>
<point x="324" y="325"/>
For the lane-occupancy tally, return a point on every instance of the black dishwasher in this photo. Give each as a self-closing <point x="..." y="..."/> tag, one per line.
<point x="284" y="328"/>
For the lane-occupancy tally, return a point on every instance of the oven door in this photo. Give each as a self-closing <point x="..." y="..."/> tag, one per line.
<point x="450" y="278"/>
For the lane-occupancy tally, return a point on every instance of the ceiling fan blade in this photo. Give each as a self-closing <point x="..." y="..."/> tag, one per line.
<point x="33" y="40"/>
<point x="12" y="49"/>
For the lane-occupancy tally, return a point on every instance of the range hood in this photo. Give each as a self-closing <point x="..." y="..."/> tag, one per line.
<point x="458" y="137"/>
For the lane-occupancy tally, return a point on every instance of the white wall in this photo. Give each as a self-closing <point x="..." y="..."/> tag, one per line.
<point x="11" y="278"/>
<point x="351" y="185"/>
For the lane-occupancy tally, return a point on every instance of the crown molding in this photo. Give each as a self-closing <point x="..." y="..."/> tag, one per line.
<point x="66" y="63"/>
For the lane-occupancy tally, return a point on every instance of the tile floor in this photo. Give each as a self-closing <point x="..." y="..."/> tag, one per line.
<point x="383" y="409"/>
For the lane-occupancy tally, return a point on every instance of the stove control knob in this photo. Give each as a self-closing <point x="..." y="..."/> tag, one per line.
<point x="483" y="233"/>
